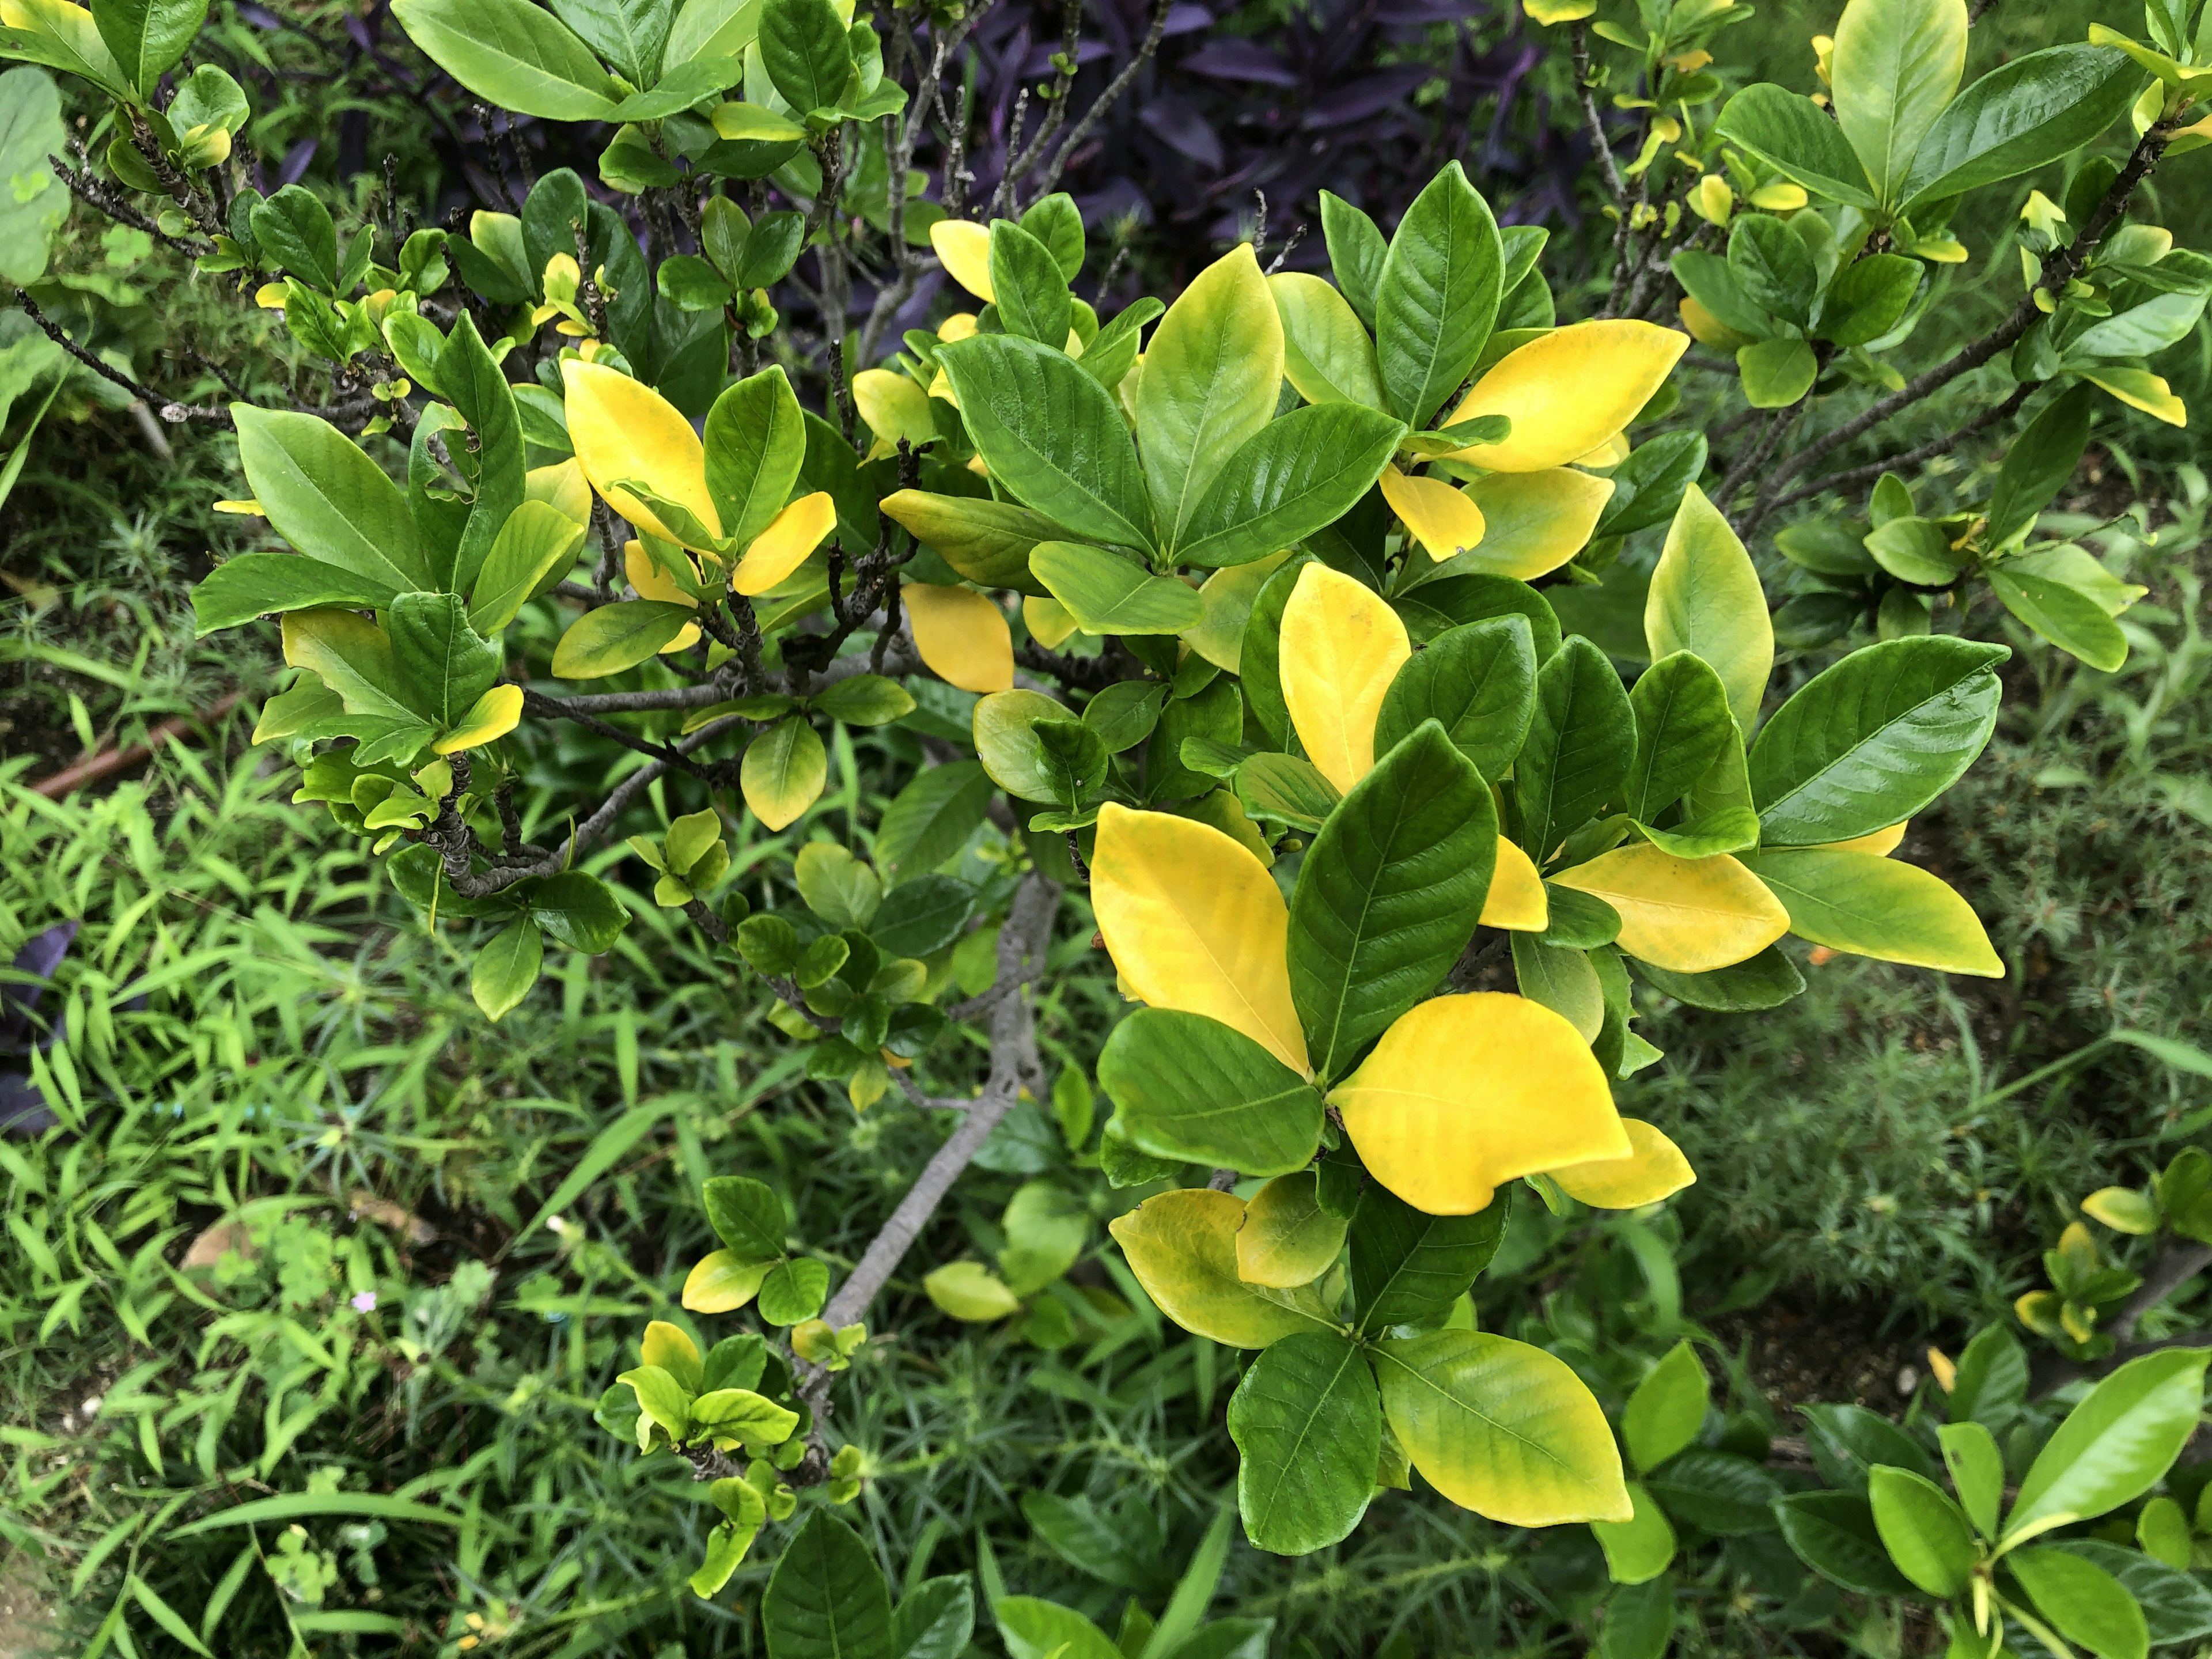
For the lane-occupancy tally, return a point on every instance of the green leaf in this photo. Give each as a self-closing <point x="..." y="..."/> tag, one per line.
<point x="1914" y="550"/>
<point x="1773" y="267"/>
<point x="1180" y="1630"/>
<point x="826" y="1599"/>
<point x="1478" y="681"/>
<point x="629" y="33"/>
<point x="307" y="1505"/>
<point x="922" y="915"/>
<point x="836" y="886"/>
<point x="794" y="1292"/>
<point x="1051" y="434"/>
<point x="1978" y="1473"/>
<point x="1873" y="740"/>
<point x="505" y="968"/>
<point x="1035" y="1629"/>
<point x="747" y="1215"/>
<point x="1057" y="222"/>
<point x="1027" y="286"/>
<point x="802" y="48"/>
<point x="512" y="55"/>
<point x="1639" y="1621"/>
<point x="1580" y="746"/>
<point x="537" y="542"/>
<point x="263" y="584"/>
<point x="2020" y="116"/>
<point x="1211" y="377"/>
<point x="1833" y="1533"/>
<point x="37" y="201"/>
<point x="1181" y="1247"/>
<point x="1705" y="598"/>
<point x="1007" y="743"/>
<point x="684" y="85"/>
<point x="1896" y="65"/>
<point x="987" y="541"/>
<point x="470" y="379"/>
<point x="1666" y="1408"/>
<point x="324" y="496"/>
<point x="2065" y="615"/>
<point x="1925" y="1532"/>
<point x="293" y="227"/>
<point x="2116" y="1444"/>
<point x="1189" y="1087"/>
<point x="443" y="665"/>
<point x="1991" y="1387"/>
<point x="1285" y="790"/>
<point x="1647" y="487"/>
<point x="1437" y="297"/>
<point x="1388" y="895"/>
<point x="1868" y="298"/>
<point x="935" y="1619"/>
<point x="2039" y="463"/>
<point x="1258" y="664"/>
<point x="756" y="442"/>
<point x="1326" y="355"/>
<point x="932" y="819"/>
<point x="864" y="700"/>
<point x="579" y="909"/>
<point x="1848" y="1442"/>
<point x="2083" y="1603"/>
<point x="618" y="637"/>
<point x="741" y="1414"/>
<point x="1290" y="480"/>
<point x="1356" y="254"/>
<point x="1501" y="1428"/>
<point x="1110" y="593"/>
<point x="1799" y="139"/>
<point x="1716" y="1492"/>
<point x="62" y="35"/>
<point x="1682" y="725"/>
<point x="1638" y="1549"/>
<point x="1308" y="1425"/>
<point x="1408" y="1266"/>
<point x="148" y="36"/>
<point x="1877" y="907"/>
<point x="2176" y="1605"/>
<point x="1776" y="373"/>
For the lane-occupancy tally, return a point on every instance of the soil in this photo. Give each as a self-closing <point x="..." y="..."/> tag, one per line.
<point x="25" y="1629"/>
<point x="1797" y="1351"/>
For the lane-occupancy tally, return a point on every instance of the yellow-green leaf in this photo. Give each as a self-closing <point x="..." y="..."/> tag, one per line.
<point x="781" y="549"/>
<point x="561" y="486"/>
<point x="970" y="1291"/>
<point x="1228" y="596"/>
<point x="669" y="1347"/>
<point x="1878" y="907"/>
<point x="1516" y="901"/>
<point x="1287" y="1239"/>
<point x="1048" y="622"/>
<point x="1194" y="923"/>
<point x="1342" y="645"/>
<point x="2138" y="388"/>
<point x="1536" y="521"/>
<point x="1705" y="598"/>
<point x="625" y="431"/>
<point x="962" y="636"/>
<point x="1326" y="355"/>
<point x="490" y="717"/>
<point x="1653" y="1167"/>
<point x="1502" y="1428"/>
<point x="1687" y="915"/>
<point x="895" y="408"/>
<point x="1569" y="391"/>
<point x="1443" y="518"/>
<point x="723" y="1282"/>
<point x="1183" y="1247"/>
<point x="618" y="637"/>
<point x="783" y="772"/>
<point x="1464" y="1093"/>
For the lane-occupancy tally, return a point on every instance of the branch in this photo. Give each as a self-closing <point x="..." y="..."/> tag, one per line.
<point x="1872" y="470"/>
<point x="96" y="193"/>
<point x="1106" y="100"/>
<point x="54" y="333"/>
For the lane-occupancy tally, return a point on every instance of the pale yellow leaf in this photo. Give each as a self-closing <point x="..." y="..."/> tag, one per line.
<point x="1653" y="1167"/>
<point x="1443" y="518"/>
<point x="1537" y="520"/>
<point x="962" y="636"/>
<point x="1227" y="595"/>
<point x="1516" y="901"/>
<point x="1342" y="645"/>
<point x="1569" y="391"/>
<point x="1048" y="621"/>
<point x="963" y="248"/>
<point x="1687" y="915"/>
<point x="1881" y="843"/>
<point x="490" y="717"/>
<point x="783" y="547"/>
<point x="561" y="486"/>
<point x="625" y="431"/>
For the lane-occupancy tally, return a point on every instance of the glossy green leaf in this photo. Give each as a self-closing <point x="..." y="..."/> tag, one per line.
<point x="263" y="584"/>
<point x="1977" y="1474"/>
<point x="2084" y="1603"/>
<point x="506" y="967"/>
<point x="1478" y="681"/>
<point x="1327" y="353"/>
<point x="1212" y="373"/>
<point x="1766" y="981"/>
<point x="1868" y="298"/>
<point x="1682" y="723"/>
<point x="1408" y="1266"/>
<point x="2176" y="1605"/>
<point x="1799" y="139"/>
<point x="1027" y="286"/>
<point x="325" y="497"/>
<point x="1308" y="1424"/>
<point x="935" y="1619"/>
<point x="1895" y="66"/>
<point x="1776" y="373"/>
<point x="1438" y="296"/>
<point x="2116" y="1444"/>
<point x="148" y="36"/>
<point x="1705" y="598"/>
<point x="1110" y="593"/>
<point x="1878" y="907"/>
<point x="1833" y="1533"/>
<point x="618" y="637"/>
<point x="1640" y="1548"/>
<point x="511" y="54"/>
<point x="443" y="665"/>
<point x="931" y="819"/>
<point x="1847" y="1442"/>
<point x="1773" y="267"/>
<point x="1666" y="1408"/>
<point x="2065" y="615"/>
<point x="1293" y="478"/>
<point x="1388" y="895"/>
<point x="1036" y="1629"/>
<point x="1715" y="1492"/>
<point x="802" y="48"/>
<point x="1925" y="1532"/>
<point x="1579" y="748"/>
<point x="1189" y="1087"/>
<point x="2020" y="116"/>
<point x="986" y="541"/>
<point x="826" y="1598"/>
<point x="755" y="442"/>
<point x="1357" y="253"/>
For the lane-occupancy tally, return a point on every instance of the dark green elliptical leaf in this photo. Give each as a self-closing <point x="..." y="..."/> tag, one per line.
<point x="1388" y="895"/>
<point x="1308" y="1422"/>
<point x="826" y="1599"/>
<point x="1408" y="1267"/>
<point x="1189" y="1087"/>
<point x="1480" y="680"/>
<point x="1579" y="747"/>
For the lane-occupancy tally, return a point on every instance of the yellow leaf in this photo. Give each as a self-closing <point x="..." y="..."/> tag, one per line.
<point x="1341" y="647"/>
<point x="1653" y="1167"/>
<point x="649" y="581"/>
<point x="1881" y="843"/>
<point x="1227" y="595"/>
<point x="963" y="248"/>
<point x="1538" y="520"/>
<point x="668" y="1346"/>
<point x="1048" y="622"/>
<point x="1183" y="1247"/>
<point x="561" y="486"/>
<point x="784" y="545"/>
<point x="624" y="430"/>
<point x="1780" y="196"/>
<point x="490" y="717"/>
<point x="1709" y="330"/>
<point x="2139" y="388"/>
<point x="1445" y="519"/>
<point x="960" y="326"/>
<point x="895" y="408"/>
<point x="1569" y="391"/>
<point x="1705" y="598"/>
<point x="962" y="636"/>
<point x="1502" y="1428"/>
<point x="1194" y="923"/>
<point x="1687" y="915"/>
<point x="1464" y="1093"/>
<point x="244" y="506"/>
<point x="1287" y="1239"/>
<point x="1516" y="901"/>
<point x="1612" y="453"/>
<point x="722" y="1282"/>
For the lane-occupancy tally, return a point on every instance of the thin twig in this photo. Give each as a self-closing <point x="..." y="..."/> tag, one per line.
<point x="1106" y="100"/>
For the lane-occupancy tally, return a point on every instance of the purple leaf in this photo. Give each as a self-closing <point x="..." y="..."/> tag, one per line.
<point x="1182" y="129"/>
<point x="41" y="955"/>
<point x="1239" y="60"/>
<point x="1188" y="20"/>
<point x="24" y="1110"/>
<point x="1369" y="95"/>
<point x="296" y="161"/>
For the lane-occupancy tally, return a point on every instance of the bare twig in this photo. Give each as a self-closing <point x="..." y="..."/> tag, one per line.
<point x="1106" y="100"/>
<point x="1910" y="458"/>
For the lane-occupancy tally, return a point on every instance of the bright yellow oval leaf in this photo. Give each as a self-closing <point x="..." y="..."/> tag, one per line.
<point x="960" y="326"/>
<point x="962" y="636"/>
<point x="2139" y="388"/>
<point x="1502" y="1428"/>
<point x="723" y="1282"/>
<point x="1516" y="901"/>
<point x="1881" y="843"/>
<point x="783" y="546"/>
<point x="1443" y="518"/>
<point x="490" y="717"/>
<point x="1341" y="647"/>
<point x="1193" y="922"/>
<point x="1464" y="1093"/>
<point x="963" y="248"/>
<point x="1569" y="391"/>
<point x="625" y="431"/>
<point x="561" y="486"/>
<point x="1537" y="520"/>
<point x="649" y="581"/>
<point x="1227" y="595"/>
<point x="1287" y="1239"/>
<point x="895" y="408"/>
<point x="1653" y="1169"/>
<point x="1687" y="915"/>
<point x="1048" y="622"/>
<point x="1183" y="1247"/>
<point x="669" y="1347"/>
